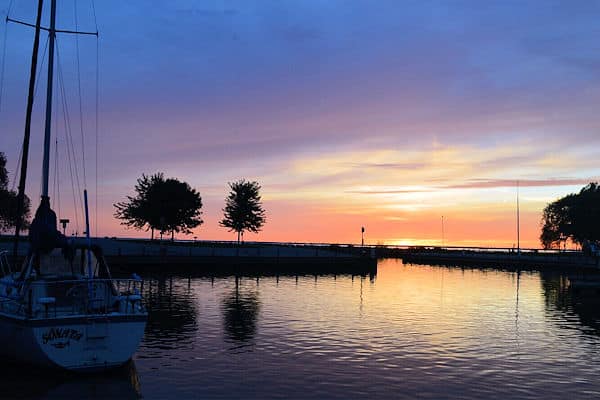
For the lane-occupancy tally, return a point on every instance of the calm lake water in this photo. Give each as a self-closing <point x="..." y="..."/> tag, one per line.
<point x="410" y="331"/>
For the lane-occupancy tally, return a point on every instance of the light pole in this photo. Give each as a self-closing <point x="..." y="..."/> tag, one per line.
<point x="64" y="223"/>
<point x="442" y="231"/>
<point x="518" y="223"/>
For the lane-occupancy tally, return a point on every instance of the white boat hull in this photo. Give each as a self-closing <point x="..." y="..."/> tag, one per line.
<point x="87" y="343"/>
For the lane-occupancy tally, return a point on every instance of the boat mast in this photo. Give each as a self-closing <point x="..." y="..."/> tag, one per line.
<point x="25" y="156"/>
<point x="47" y="132"/>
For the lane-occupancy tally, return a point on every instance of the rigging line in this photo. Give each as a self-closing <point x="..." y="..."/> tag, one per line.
<point x="95" y="19"/>
<point x="54" y="175"/>
<point x="4" y="55"/>
<point x="38" y="80"/>
<point x="36" y="86"/>
<point x="70" y="163"/>
<point x="3" y="63"/>
<point x="70" y="147"/>
<point x="17" y="169"/>
<point x="57" y="178"/>
<point x="4" y="52"/>
<point x="55" y="121"/>
<point x="97" y="127"/>
<point x="56" y="186"/>
<point x="80" y="102"/>
<point x="9" y="8"/>
<point x="17" y="176"/>
<point x="76" y="189"/>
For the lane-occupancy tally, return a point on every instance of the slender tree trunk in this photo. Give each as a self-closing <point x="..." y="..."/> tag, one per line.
<point x="173" y="235"/>
<point x="152" y="234"/>
<point x="239" y="232"/>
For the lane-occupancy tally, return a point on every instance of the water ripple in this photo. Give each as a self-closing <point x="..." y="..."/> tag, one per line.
<point x="414" y="331"/>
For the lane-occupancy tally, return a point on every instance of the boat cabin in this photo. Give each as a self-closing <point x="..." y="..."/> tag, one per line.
<point x="77" y="262"/>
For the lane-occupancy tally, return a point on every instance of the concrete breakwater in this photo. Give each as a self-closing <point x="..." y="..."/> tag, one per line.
<point x="132" y="255"/>
<point x="223" y="257"/>
<point x="228" y="258"/>
<point x="505" y="259"/>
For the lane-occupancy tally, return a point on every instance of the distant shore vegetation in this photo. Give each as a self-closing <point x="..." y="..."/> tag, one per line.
<point x="574" y="218"/>
<point x="9" y="201"/>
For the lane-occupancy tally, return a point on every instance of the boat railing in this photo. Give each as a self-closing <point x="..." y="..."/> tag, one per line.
<point x="49" y="298"/>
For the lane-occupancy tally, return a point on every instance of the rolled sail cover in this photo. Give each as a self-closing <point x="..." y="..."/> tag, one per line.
<point x="43" y="235"/>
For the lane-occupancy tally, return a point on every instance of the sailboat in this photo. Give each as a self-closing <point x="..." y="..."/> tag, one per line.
<point x="63" y="309"/>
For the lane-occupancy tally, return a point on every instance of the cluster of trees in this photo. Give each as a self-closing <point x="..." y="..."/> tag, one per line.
<point x="8" y="202"/>
<point x="575" y="218"/>
<point x="163" y="205"/>
<point x="169" y="205"/>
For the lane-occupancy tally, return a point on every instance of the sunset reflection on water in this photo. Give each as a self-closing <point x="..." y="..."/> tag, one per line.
<point x="408" y="331"/>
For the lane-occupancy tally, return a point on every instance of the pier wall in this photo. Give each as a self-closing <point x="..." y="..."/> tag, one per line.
<point x="131" y="255"/>
<point x="504" y="259"/>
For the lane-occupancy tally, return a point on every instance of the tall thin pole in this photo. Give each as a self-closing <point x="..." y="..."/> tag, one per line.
<point x="47" y="132"/>
<point x="25" y="156"/>
<point x="518" y="222"/>
<point x="87" y="233"/>
<point x="442" y="231"/>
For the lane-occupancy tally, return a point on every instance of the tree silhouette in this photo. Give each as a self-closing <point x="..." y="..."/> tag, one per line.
<point x="166" y="205"/>
<point x="243" y="209"/>
<point x="575" y="217"/>
<point x="8" y="201"/>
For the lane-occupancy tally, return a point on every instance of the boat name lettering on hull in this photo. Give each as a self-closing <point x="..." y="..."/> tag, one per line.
<point x="61" y="338"/>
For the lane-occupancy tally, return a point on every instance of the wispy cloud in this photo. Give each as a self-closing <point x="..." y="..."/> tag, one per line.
<point x="376" y="191"/>
<point x="500" y="183"/>
<point x="390" y="165"/>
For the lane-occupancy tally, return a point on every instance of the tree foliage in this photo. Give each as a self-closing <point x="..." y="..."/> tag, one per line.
<point x="243" y="209"/>
<point x="575" y="217"/>
<point x="8" y="202"/>
<point x="165" y="205"/>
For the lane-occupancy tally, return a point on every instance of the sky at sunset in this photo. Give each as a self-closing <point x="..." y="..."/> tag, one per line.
<point x="382" y="114"/>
